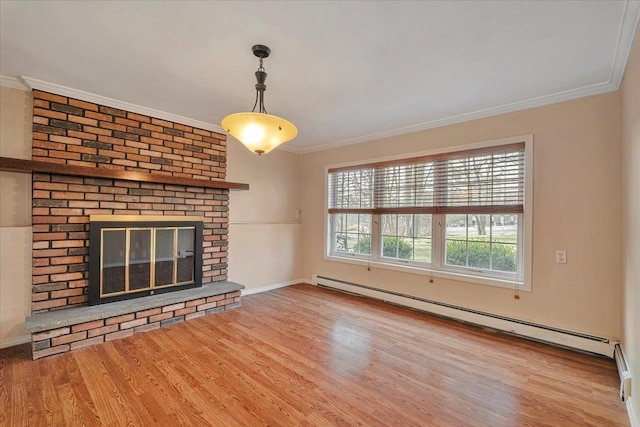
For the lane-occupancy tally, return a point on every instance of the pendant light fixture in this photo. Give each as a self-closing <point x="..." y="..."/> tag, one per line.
<point x="259" y="131"/>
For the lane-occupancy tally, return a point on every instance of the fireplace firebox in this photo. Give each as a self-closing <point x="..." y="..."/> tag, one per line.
<point x="132" y="256"/>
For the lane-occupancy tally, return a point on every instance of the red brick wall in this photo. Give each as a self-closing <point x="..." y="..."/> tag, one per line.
<point x="70" y="131"/>
<point x="74" y="132"/>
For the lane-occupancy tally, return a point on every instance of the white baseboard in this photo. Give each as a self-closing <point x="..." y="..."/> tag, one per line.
<point x="633" y="419"/>
<point x="10" y="342"/>
<point x="246" y="292"/>
<point x="570" y="339"/>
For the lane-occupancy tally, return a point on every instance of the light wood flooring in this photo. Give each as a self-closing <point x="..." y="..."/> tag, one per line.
<point x="313" y="357"/>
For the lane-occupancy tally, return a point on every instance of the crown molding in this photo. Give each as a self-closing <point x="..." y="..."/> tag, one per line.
<point x="114" y="103"/>
<point x="13" y="83"/>
<point x="628" y="26"/>
<point x="290" y="149"/>
<point x="480" y="114"/>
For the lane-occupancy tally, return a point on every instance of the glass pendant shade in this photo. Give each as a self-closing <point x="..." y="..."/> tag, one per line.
<point x="259" y="132"/>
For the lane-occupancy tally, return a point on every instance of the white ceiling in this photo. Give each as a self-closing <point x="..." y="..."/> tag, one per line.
<point x="342" y="72"/>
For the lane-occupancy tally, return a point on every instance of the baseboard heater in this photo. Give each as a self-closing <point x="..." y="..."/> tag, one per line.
<point x="564" y="338"/>
<point x="623" y="370"/>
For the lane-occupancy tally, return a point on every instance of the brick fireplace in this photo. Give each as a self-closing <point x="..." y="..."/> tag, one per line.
<point x="72" y="133"/>
<point x="68" y="131"/>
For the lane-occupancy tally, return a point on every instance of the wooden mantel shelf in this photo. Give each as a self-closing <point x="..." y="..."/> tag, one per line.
<point x="28" y="166"/>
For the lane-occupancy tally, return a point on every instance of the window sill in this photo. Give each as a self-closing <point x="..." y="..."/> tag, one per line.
<point x="460" y="277"/>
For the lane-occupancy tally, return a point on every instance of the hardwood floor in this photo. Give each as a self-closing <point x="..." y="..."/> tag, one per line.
<point x="312" y="357"/>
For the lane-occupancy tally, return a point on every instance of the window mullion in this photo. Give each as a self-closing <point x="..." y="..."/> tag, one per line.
<point x="376" y="233"/>
<point x="438" y="224"/>
<point x="396" y="236"/>
<point x="414" y="232"/>
<point x="437" y="240"/>
<point x="466" y="239"/>
<point x="335" y="231"/>
<point x="491" y="244"/>
<point x="375" y="218"/>
<point x="520" y="247"/>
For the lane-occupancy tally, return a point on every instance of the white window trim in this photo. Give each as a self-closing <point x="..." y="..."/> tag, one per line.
<point x="523" y="284"/>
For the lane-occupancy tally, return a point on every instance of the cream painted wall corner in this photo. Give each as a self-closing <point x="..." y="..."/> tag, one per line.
<point x="15" y="218"/>
<point x="15" y="285"/>
<point x="630" y="215"/>
<point x="15" y="141"/>
<point x="265" y="235"/>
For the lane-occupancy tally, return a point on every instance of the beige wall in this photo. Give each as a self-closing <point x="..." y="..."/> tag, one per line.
<point x="15" y="141"/>
<point x="576" y="206"/>
<point x="630" y="101"/>
<point x="264" y="233"/>
<point x="15" y="217"/>
<point x="15" y="284"/>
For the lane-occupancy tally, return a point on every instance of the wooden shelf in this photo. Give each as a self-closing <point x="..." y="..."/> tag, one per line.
<point x="29" y="166"/>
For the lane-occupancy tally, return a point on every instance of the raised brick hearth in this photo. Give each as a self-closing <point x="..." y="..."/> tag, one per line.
<point x="66" y="330"/>
<point x="71" y="132"/>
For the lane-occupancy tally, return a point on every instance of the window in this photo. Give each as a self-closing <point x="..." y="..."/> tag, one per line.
<point x="458" y="213"/>
<point x="406" y="237"/>
<point x="352" y="234"/>
<point x="485" y="242"/>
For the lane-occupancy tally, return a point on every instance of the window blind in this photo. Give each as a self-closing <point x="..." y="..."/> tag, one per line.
<point x="485" y="180"/>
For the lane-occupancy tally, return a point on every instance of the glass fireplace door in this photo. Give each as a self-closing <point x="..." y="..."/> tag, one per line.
<point x="165" y="270"/>
<point x="185" y="264"/>
<point x="139" y="259"/>
<point x="114" y="261"/>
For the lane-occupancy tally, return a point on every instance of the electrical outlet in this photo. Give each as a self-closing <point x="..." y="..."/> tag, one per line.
<point x="561" y="257"/>
<point x="298" y="213"/>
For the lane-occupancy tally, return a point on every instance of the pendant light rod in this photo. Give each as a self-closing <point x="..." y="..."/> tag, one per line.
<point x="261" y="52"/>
